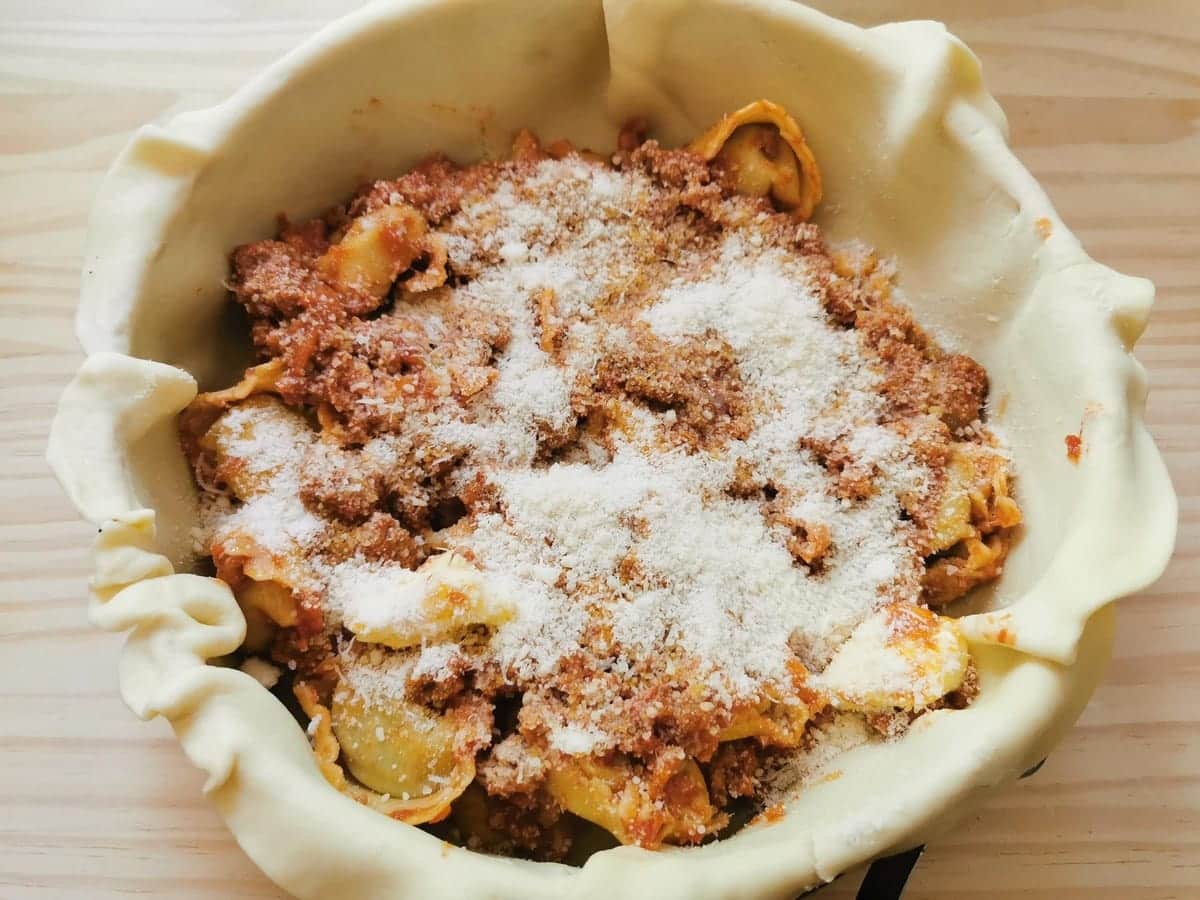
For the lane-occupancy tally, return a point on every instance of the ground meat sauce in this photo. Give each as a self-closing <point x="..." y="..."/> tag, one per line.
<point x="414" y="390"/>
<point x="1074" y="447"/>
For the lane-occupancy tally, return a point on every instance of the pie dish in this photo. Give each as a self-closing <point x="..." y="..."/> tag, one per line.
<point x="912" y="151"/>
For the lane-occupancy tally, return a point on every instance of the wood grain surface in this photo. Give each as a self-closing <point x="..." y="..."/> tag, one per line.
<point x="1104" y="103"/>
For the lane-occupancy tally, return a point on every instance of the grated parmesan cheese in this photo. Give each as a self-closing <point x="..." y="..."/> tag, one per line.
<point x="261" y="671"/>
<point x="717" y="585"/>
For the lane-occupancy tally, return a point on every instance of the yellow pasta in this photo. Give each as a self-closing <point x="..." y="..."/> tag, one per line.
<point x="439" y="601"/>
<point x="403" y="749"/>
<point x="204" y="447"/>
<point x="204" y="409"/>
<point x="262" y="583"/>
<point x="273" y="599"/>
<point x="244" y="442"/>
<point x="902" y="657"/>
<point x="378" y="247"/>
<point x="404" y="759"/>
<point x="266" y="606"/>
<point x="253" y="440"/>
<point x="776" y="724"/>
<point x="952" y="522"/>
<point x="974" y="561"/>
<point x="971" y="524"/>
<point x="764" y="151"/>
<point x="606" y="794"/>
<point x="470" y="814"/>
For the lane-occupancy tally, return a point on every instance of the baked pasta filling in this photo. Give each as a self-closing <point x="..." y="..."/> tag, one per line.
<point x="578" y="499"/>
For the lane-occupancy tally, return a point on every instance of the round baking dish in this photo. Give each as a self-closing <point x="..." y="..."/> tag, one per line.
<point x="915" y="163"/>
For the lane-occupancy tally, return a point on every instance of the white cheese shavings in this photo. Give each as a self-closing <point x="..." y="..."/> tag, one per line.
<point x="261" y="671"/>
<point x="563" y="242"/>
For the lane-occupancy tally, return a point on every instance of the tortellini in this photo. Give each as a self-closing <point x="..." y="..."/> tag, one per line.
<point x="607" y="794"/>
<point x="471" y="814"/>
<point x="408" y="762"/>
<point x="776" y="724"/>
<point x="401" y="749"/>
<point x="265" y="604"/>
<point x="378" y="247"/>
<point x="952" y="521"/>
<point x="969" y="526"/>
<point x="199" y="415"/>
<point x="901" y="657"/>
<point x="974" y="498"/>
<point x="254" y="441"/>
<point x="437" y="602"/>
<point x="251" y="444"/>
<point x="764" y="151"/>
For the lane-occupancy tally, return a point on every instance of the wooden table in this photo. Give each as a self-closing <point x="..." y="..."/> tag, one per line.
<point x="1104" y="102"/>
